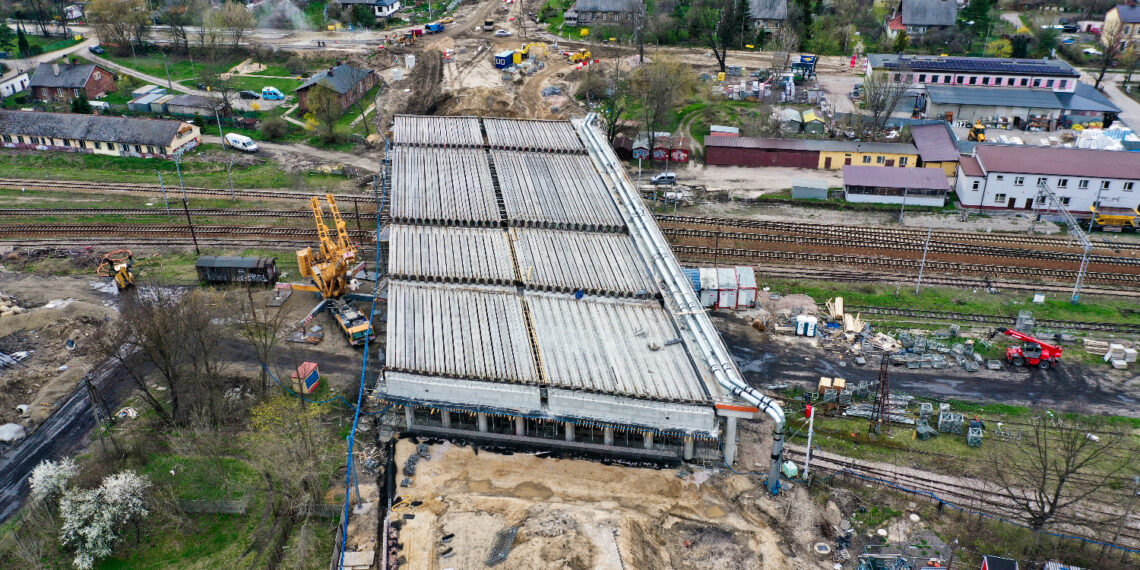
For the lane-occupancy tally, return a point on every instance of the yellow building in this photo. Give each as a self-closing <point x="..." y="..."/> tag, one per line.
<point x="1126" y="18"/>
<point x="95" y="134"/>
<point x="834" y="155"/>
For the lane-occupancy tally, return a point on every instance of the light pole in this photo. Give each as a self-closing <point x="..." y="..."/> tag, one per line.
<point x="810" y="411"/>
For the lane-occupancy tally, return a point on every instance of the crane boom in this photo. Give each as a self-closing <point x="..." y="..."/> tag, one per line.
<point x="322" y="229"/>
<point x="1026" y="338"/>
<point x="342" y="241"/>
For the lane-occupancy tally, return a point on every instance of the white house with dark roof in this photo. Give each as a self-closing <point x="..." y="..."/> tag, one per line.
<point x="380" y="8"/>
<point x="95" y="134"/>
<point x="768" y="14"/>
<point x="599" y="12"/>
<point x="917" y="17"/>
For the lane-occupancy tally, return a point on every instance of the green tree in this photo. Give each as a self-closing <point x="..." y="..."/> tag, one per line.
<point x="1000" y="47"/>
<point x="22" y="45"/>
<point x="7" y="37"/>
<point x="324" y="104"/>
<point x="902" y="41"/>
<point x="81" y="105"/>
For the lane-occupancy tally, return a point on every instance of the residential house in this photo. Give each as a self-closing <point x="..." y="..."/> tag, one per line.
<point x="1126" y="17"/>
<point x="990" y="562"/>
<point x="800" y="153"/>
<point x="913" y="186"/>
<point x="1007" y="177"/>
<point x="380" y="8"/>
<point x="937" y="147"/>
<point x="349" y="83"/>
<point x="768" y="14"/>
<point x="14" y="85"/>
<point x="916" y="17"/>
<point x="96" y="134"/>
<point x="61" y="82"/>
<point x="600" y="12"/>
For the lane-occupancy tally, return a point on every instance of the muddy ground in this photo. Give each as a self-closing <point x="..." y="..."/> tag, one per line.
<point x="578" y="514"/>
<point x="768" y="358"/>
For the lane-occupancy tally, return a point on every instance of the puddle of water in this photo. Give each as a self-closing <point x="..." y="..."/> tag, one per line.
<point x="105" y="287"/>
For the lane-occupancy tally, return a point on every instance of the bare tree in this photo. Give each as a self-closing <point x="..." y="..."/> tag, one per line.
<point x="882" y="92"/>
<point x="1110" y="38"/>
<point x="263" y="330"/>
<point x="662" y="86"/>
<point x="235" y="19"/>
<point x="639" y="22"/>
<point x="718" y="25"/>
<point x="180" y="16"/>
<point x="1057" y="465"/>
<point x="782" y="45"/>
<point x="119" y="22"/>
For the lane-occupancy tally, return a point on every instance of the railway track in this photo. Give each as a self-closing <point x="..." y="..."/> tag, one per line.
<point x="895" y="244"/>
<point x="994" y="320"/>
<point x="14" y="230"/>
<point x="754" y="256"/>
<point x="126" y="187"/>
<point x="141" y="212"/>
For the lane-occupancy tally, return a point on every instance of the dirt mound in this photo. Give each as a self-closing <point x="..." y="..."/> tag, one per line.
<point x="483" y="101"/>
<point x="425" y="83"/>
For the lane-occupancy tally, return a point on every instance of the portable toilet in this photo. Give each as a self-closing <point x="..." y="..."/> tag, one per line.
<point x="694" y="276"/>
<point x="746" y="284"/>
<point x="518" y="57"/>
<point x="801" y="325"/>
<point x="504" y="59"/>
<point x="810" y="324"/>
<point x="306" y="378"/>
<point x="726" y="287"/>
<point x="709" y="293"/>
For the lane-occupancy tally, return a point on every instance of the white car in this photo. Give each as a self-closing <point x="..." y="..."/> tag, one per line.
<point x="502" y="34"/>
<point x="239" y="142"/>
<point x="1090" y="51"/>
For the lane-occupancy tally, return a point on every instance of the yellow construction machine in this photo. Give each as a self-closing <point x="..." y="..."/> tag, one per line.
<point x="119" y="266"/>
<point x="331" y="269"/>
<point x="538" y="47"/>
<point x="578" y="56"/>
<point x="977" y="132"/>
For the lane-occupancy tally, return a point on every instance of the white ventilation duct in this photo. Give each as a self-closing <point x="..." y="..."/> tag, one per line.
<point x="688" y="307"/>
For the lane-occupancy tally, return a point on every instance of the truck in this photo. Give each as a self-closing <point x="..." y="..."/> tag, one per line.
<point x="488" y="25"/>
<point x="434" y="28"/>
<point x="1032" y="353"/>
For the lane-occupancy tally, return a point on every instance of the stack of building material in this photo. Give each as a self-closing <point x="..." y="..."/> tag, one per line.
<point x="1115" y="356"/>
<point x="835" y="308"/>
<point x="1130" y="355"/>
<point x="1098" y="347"/>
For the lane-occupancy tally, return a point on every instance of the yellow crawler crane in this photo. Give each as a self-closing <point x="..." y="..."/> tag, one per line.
<point x="330" y="271"/>
<point x="538" y="47"/>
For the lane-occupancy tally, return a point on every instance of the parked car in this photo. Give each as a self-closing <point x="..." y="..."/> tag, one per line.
<point x="97" y="49"/>
<point x="664" y="178"/>
<point x="1070" y="28"/>
<point x="272" y="94"/>
<point x="239" y="142"/>
<point x="249" y="95"/>
<point x="1091" y="51"/>
<point x="502" y="34"/>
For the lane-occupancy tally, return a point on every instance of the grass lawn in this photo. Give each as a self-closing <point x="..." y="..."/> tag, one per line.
<point x="353" y="112"/>
<point x="67" y="166"/>
<point x="277" y="71"/>
<point x="120" y="97"/>
<point x="50" y="44"/>
<point x="315" y="12"/>
<point x="181" y="68"/>
<point x="244" y="82"/>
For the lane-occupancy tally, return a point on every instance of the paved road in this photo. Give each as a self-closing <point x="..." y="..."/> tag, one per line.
<point x="62" y="434"/>
<point x="1129" y="108"/>
<point x="18" y="66"/>
<point x="361" y="162"/>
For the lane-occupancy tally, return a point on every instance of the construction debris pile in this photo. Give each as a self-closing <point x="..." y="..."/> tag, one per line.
<point x="8" y="306"/>
<point x="1119" y="354"/>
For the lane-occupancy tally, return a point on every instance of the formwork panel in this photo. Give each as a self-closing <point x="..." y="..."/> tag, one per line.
<point x="554" y="190"/>
<point x="629" y="411"/>
<point x="437" y="131"/>
<point x="474" y="393"/>
<point x="449" y="254"/>
<point x="442" y="185"/>
<point x="458" y="331"/>
<point x="595" y="263"/>
<point x="611" y="346"/>
<point x="532" y="134"/>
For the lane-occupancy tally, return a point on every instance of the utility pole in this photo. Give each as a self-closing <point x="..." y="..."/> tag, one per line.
<point x="881" y="414"/>
<point x="810" y="411"/>
<point x="218" y="118"/>
<point x="925" y="249"/>
<point x="178" y="167"/>
<point x="229" y="174"/>
<point x="186" y="208"/>
<point x="163" y="188"/>
<point x="903" y="208"/>
<point x="169" y="83"/>
<point x="102" y="416"/>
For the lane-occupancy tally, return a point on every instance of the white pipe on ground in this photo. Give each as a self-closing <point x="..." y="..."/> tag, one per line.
<point x="657" y="251"/>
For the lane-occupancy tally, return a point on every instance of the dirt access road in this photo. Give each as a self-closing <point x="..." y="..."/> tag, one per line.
<point x="276" y="151"/>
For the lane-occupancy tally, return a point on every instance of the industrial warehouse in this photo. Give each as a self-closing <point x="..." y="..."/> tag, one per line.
<point x="556" y="319"/>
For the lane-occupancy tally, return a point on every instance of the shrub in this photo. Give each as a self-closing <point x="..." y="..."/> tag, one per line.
<point x="295" y="65"/>
<point x="274" y="128"/>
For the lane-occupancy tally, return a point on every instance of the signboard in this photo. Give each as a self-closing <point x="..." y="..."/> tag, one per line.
<point x="640" y="153"/>
<point x="660" y="153"/>
<point x="679" y="155"/>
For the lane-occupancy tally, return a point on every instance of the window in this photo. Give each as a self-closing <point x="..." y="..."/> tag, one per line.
<point x="1000" y="178"/>
<point x="1083" y="184"/>
<point x="961" y="79"/>
<point x="1019" y="181"/>
<point x="898" y="77"/>
<point x="20" y="140"/>
<point x="1049" y="83"/>
<point x="977" y="184"/>
<point x="1064" y="200"/>
<point x="1041" y="180"/>
<point x="946" y="79"/>
<point x="59" y="92"/>
<point x="1104" y="184"/>
<point x="110" y="146"/>
<point x="985" y="81"/>
<point x="880" y="159"/>
<point x="7" y="139"/>
<point x="973" y="80"/>
<point x="138" y="149"/>
<point x="1024" y="81"/>
<point x="922" y="78"/>
<point x="74" y="92"/>
<point x="98" y="145"/>
<point x="866" y="159"/>
<point x="1127" y="185"/>
<point x="97" y="76"/>
<point x="35" y="140"/>
<point x="997" y="81"/>
<point x="1037" y="82"/>
<point x="66" y="142"/>
<point x="1062" y="183"/>
<point x="903" y="160"/>
<point x="82" y="144"/>
<point x="999" y="198"/>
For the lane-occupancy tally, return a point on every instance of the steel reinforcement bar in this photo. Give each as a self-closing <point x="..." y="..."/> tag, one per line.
<point x="751" y="255"/>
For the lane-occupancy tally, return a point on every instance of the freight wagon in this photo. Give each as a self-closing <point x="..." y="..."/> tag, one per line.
<point x="255" y="270"/>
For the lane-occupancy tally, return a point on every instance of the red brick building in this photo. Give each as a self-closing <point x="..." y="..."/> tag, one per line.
<point x="348" y="82"/>
<point x="61" y="82"/>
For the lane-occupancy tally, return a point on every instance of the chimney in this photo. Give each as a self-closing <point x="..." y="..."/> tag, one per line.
<point x="330" y="72"/>
<point x="55" y="69"/>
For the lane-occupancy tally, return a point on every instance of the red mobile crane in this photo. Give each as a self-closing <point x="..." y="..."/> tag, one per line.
<point x="1033" y="352"/>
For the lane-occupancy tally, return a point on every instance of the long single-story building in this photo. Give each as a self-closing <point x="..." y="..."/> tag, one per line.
<point x="914" y="186"/>
<point x="1007" y="177"/>
<point x="1083" y="105"/>
<point x="95" y="134"/>
<point x="937" y="147"/>
<point x="814" y="154"/>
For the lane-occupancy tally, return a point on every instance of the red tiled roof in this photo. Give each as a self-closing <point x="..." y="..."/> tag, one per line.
<point x="896" y="24"/>
<point x="970" y="166"/>
<point x="1059" y="161"/>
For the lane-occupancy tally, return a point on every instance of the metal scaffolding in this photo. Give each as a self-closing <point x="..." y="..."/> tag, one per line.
<point x="1048" y="200"/>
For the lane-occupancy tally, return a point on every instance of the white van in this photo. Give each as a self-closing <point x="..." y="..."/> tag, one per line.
<point x="239" y="142"/>
<point x="664" y="178"/>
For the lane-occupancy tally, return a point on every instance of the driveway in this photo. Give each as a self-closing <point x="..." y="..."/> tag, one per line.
<point x="306" y="151"/>
<point x="1129" y="108"/>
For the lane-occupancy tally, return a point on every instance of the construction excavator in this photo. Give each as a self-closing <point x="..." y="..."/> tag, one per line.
<point x="1032" y="353"/>
<point x="119" y="266"/>
<point x="977" y="132"/>
<point x="538" y="47"/>
<point x="331" y="270"/>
